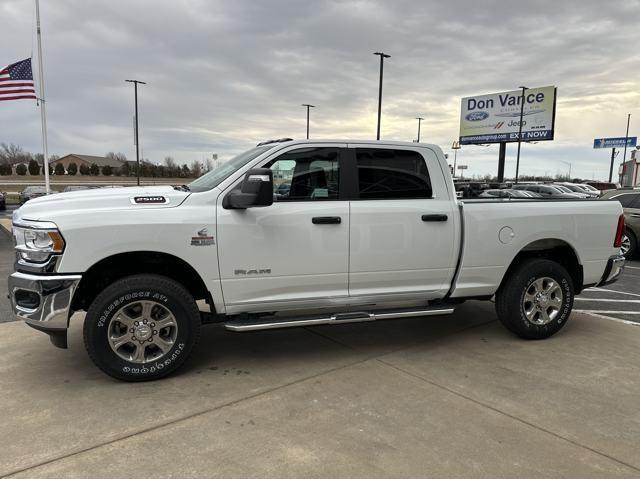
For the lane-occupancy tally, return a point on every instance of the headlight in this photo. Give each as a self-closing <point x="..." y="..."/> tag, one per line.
<point x="37" y="241"/>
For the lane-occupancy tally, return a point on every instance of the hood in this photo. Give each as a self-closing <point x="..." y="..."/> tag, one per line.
<point x="125" y="198"/>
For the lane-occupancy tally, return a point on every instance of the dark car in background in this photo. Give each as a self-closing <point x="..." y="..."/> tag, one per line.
<point x="601" y="185"/>
<point x="31" y="192"/>
<point x="3" y="201"/>
<point x="630" y="201"/>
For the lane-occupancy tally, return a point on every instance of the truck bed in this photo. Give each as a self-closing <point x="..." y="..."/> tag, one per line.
<point x="507" y="227"/>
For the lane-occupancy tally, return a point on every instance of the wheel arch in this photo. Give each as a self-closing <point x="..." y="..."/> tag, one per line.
<point x="117" y="266"/>
<point x="554" y="249"/>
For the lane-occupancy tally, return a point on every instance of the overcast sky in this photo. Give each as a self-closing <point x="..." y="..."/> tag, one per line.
<point x="223" y="75"/>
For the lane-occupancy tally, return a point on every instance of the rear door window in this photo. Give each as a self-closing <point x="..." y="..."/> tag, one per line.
<point x="392" y="174"/>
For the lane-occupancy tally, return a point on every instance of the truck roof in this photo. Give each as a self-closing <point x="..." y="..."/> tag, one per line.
<point x="290" y="141"/>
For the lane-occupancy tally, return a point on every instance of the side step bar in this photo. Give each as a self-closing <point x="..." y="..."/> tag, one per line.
<point x="274" y="322"/>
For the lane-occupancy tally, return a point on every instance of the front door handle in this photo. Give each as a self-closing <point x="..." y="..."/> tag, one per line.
<point x="326" y="220"/>
<point x="435" y="217"/>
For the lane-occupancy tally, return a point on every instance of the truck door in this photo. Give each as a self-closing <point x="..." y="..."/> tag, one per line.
<point x="296" y="250"/>
<point x="404" y="237"/>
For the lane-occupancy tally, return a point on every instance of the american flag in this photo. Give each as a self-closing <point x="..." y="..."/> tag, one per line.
<point x="16" y="81"/>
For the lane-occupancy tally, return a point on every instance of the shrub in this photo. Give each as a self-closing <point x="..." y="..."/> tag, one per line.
<point x="5" y="169"/>
<point x="94" y="169"/>
<point x="59" y="169"/>
<point x="84" y="169"/>
<point x="72" y="169"/>
<point x="34" y="168"/>
<point x="21" y="169"/>
<point x="106" y="170"/>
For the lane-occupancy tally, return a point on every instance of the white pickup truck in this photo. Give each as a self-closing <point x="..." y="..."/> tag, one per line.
<point x="353" y="230"/>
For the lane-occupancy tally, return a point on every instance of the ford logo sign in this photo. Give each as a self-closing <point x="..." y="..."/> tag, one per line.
<point x="477" y="116"/>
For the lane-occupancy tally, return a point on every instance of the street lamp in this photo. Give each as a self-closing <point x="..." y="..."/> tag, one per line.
<point x="382" y="57"/>
<point x="135" y="93"/>
<point x="308" y="106"/>
<point x="455" y="147"/>
<point x="524" y="88"/>
<point x="419" y="118"/>
<point x="569" y="164"/>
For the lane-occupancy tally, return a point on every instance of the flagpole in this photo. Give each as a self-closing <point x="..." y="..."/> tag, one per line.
<point x="43" y="113"/>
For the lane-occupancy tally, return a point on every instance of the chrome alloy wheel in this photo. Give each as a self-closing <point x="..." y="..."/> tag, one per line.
<point x="626" y="244"/>
<point x="542" y="301"/>
<point x="143" y="331"/>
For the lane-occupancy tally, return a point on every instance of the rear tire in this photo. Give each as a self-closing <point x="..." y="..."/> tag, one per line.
<point x="535" y="300"/>
<point x="632" y="247"/>
<point x="141" y="328"/>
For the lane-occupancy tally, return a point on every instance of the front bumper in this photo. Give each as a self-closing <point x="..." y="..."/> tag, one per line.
<point x="44" y="302"/>
<point x="613" y="270"/>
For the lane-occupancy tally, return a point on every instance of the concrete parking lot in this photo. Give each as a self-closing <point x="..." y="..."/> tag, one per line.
<point x="453" y="396"/>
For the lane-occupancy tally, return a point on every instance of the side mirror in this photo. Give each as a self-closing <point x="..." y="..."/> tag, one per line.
<point x="256" y="191"/>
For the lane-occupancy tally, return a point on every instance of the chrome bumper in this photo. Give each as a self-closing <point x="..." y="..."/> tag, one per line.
<point x="613" y="270"/>
<point x="44" y="302"/>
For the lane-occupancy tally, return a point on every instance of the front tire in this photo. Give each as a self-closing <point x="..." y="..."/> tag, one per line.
<point x="141" y="328"/>
<point x="536" y="299"/>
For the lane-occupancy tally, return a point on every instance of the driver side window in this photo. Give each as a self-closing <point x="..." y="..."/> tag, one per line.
<point x="307" y="174"/>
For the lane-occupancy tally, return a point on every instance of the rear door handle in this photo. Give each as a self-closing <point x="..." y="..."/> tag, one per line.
<point x="635" y="215"/>
<point x="435" y="217"/>
<point x="326" y="220"/>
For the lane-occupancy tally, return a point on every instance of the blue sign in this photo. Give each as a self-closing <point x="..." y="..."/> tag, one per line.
<point x="631" y="141"/>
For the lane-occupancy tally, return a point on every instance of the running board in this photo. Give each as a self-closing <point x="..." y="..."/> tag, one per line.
<point x="249" y="324"/>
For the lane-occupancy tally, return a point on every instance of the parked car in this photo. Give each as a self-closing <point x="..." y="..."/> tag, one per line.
<point x="580" y="188"/>
<point x="545" y="191"/>
<point x="630" y="201"/>
<point x="566" y="189"/>
<point x="31" y="192"/>
<point x="505" y="193"/>
<point x="602" y="185"/>
<point x="77" y="188"/>
<point x="137" y="259"/>
<point x="3" y="201"/>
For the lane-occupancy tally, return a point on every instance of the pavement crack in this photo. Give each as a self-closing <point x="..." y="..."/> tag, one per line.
<point x="506" y="414"/>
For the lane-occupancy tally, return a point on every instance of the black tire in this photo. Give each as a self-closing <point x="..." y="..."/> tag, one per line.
<point x="633" y="244"/>
<point x="511" y="301"/>
<point x="171" y="296"/>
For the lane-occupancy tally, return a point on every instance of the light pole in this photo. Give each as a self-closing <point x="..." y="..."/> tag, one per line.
<point x="524" y="88"/>
<point x="626" y="138"/>
<point x="382" y="57"/>
<point x="308" y="106"/>
<point x="419" y="118"/>
<point x="567" y="163"/>
<point x="455" y="147"/>
<point x="135" y="95"/>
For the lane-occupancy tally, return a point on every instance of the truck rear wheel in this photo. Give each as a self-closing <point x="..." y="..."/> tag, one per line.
<point x="141" y="328"/>
<point x="536" y="299"/>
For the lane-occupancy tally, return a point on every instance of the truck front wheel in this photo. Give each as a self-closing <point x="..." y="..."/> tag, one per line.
<point x="141" y="327"/>
<point x="536" y="299"/>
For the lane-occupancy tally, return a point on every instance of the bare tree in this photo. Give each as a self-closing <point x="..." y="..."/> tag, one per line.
<point x="196" y="168"/>
<point x="116" y="156"/>
<point x="169" y="162"/>
<point x="12" y="154"/>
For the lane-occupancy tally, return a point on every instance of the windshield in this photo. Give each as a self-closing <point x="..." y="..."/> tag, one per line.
<point x="217" y="175"/>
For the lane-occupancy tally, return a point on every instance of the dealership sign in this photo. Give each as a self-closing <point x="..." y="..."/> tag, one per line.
<point x="620" y="142"/>
<point x="495" y="118"/>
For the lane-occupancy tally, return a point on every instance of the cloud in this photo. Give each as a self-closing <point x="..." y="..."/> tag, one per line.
<point x="223" y="75"/>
